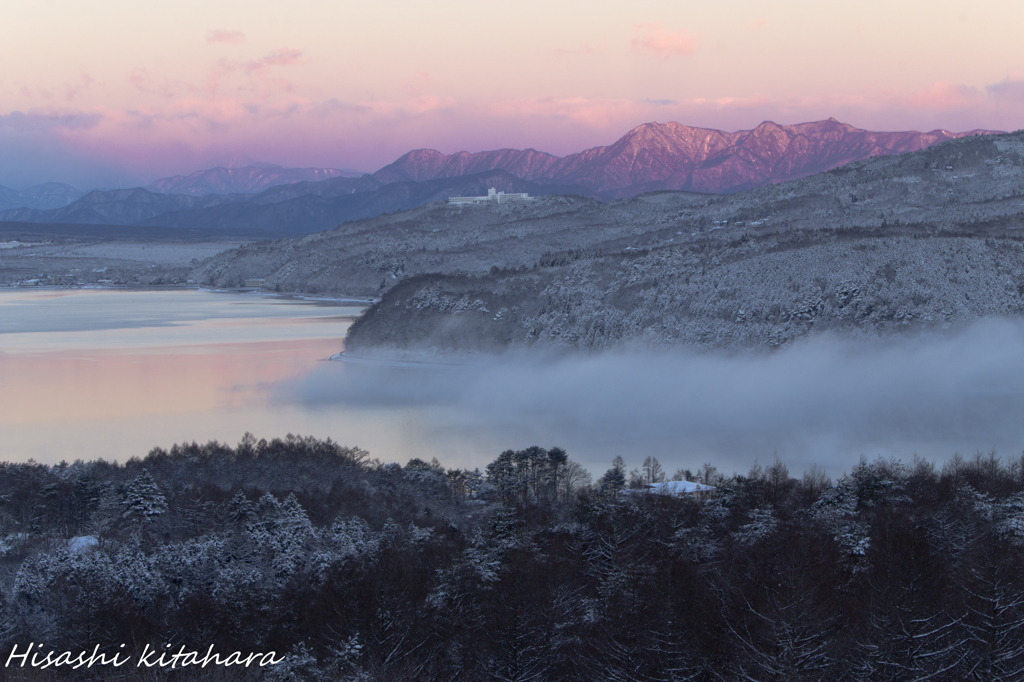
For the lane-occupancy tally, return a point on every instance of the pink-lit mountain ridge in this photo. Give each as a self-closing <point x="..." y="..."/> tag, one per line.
<point x="672" y="156"/>
<point x="654" y="156"/>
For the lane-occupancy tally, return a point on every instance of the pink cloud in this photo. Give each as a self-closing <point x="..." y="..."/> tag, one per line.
<point x="258" y="71"/>
<point x="72" y="89"/>
<point x="1010" y="91"/>
<point x="225" y="37"/>
<point x="139" y="79"/>
<point x="284" y="56"/>
<point x="944" y="96"/>
<point x="592" y="114"/>
<point x="144" y="81"/>
<point x="263" y="116"/>
<point x="418" y="83"/>
<point x="658" y="40"/>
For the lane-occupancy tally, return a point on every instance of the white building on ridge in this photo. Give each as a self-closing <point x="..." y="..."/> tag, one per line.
<point x="492" y="195"/>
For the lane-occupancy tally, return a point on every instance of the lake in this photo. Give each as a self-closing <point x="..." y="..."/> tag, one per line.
<point x="104" y="373"/>
<point x="95" y="373"/>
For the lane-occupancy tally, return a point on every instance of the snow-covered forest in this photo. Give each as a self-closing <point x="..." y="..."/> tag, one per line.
<point x="358" y="570"/>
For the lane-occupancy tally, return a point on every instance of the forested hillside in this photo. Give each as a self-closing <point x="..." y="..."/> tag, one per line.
<point x="358" y="570"/>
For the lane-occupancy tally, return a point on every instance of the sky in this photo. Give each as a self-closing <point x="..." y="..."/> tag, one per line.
<point x="108" y="93"/>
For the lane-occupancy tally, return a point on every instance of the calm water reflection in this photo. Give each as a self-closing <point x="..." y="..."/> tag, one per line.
<point x="86" y="374"/>
<point x="111" y="374"/>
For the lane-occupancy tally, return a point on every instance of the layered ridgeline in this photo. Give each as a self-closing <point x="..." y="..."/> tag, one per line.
<point x="48" y="195"/>
<point x="878" y="246"/>
<point x="265" y="200"/>
<point x="290" y="209"/>
<point x="245" y="179"/>
<point x="657" y="156"/>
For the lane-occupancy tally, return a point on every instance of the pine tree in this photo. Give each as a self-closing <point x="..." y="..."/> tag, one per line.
<point x="615" y="478"/>
<point x="143" y="500"/>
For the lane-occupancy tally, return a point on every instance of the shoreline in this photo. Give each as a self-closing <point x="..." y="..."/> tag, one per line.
<point x="365" y="302"/>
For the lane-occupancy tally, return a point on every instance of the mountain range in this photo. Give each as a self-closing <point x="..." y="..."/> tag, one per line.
<point x="300" y="208"/>
<point x="48" y="195"/>
<point x="672" y="156"/>
<point x="247" y="179"/>
<point x="648" y="158"/>
<point x="900" y="244"/>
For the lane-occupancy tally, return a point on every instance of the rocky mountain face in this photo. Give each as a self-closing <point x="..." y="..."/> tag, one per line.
<point x="247" y="179"/>
<point x="658" y="156"/>
<point x="880" y="246"/>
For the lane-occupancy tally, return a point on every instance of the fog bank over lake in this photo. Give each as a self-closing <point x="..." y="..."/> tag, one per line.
<point x="112" y="374"/>
<point x="822" y="401"/>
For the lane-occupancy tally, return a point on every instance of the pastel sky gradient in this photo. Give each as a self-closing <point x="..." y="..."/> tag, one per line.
<point x="105" y="93"/>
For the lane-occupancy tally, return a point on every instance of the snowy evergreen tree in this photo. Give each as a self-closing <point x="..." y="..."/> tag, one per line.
<point x="143" y="500"/>
<point x="614" y="479"/>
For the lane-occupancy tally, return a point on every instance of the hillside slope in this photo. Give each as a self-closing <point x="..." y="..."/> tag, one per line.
<point x="882" y="246"/>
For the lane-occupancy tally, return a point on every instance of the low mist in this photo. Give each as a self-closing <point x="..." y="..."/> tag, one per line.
<point x="822" y="401"/>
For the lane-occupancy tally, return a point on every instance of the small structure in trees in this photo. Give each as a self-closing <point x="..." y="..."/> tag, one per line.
<point x="677" y="488"/>
<point x="492" y="195"/>
<point x="680" y="488"/>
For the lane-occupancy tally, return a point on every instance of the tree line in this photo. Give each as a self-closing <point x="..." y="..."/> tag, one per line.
<point x="354" y="569"/>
